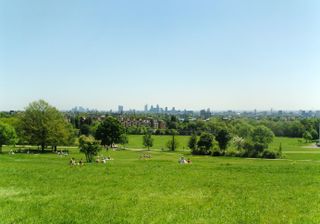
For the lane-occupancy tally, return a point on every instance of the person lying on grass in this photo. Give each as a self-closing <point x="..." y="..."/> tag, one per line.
<point x="182" y="160"/>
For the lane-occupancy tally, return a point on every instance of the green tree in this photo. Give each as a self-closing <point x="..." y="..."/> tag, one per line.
<point x="44" y="125"/>
<point x="204" y="144"/>
<point x="262" y="134"/>
<point x="244" y="130"/>
<point x="238" y="142"/>
<point x="223" y="137"/>
<point x="124" y="140"/>
<point x="8" y="135"/>
<point x="173" y="144"/>
<point x="307" y="136"/>
<point x="148" y="140"/>
<point x="110" y="131"/>
<point x="89" y="146"/>
<point x="314" y="134"/>
<point x="260" y="139"/>
<point x="192" y="144"/>
<point x="85" y="129"/>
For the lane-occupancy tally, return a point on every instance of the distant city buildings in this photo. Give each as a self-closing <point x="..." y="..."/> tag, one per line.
<point x="205" y="114"/>
<point x="120" y="109"/>
<point x="157" y="111"/>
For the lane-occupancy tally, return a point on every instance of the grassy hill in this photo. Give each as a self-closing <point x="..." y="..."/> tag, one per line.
<point x="43" y="188"/>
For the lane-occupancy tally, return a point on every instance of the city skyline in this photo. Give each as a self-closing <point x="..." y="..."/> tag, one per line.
<point x="223" y="55"/>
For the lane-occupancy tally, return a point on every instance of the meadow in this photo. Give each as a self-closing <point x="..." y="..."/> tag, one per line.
<point x="43" y="188"/>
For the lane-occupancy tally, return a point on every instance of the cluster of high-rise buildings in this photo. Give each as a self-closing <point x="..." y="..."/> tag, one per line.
<point x="157" y="109"/>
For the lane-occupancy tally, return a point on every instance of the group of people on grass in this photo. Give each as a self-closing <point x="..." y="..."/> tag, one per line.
<point x="12" y="152"/>
<point x="182" y="160"/>
<point x="62" y="153"/>
<point x="73" y="162"/>
<point x="103" y="159"/>
<point x="145" y="156"/>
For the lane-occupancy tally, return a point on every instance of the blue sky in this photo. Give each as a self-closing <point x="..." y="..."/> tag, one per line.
<point x="189" y="54"/>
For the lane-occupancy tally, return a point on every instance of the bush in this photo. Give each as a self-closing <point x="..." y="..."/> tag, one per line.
<point x="270" y="154"/>
<point x="216" y="152"/>
<point x="233" y="153"/>
<point x="200" y="151"/>
<point x="89" y="146"/>
<point x="172" y="144"/>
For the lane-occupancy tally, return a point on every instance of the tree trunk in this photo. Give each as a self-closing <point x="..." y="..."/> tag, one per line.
<point x="173" y="143"/>
<point x="0" y="148"/>
<point x="42" y="147"/>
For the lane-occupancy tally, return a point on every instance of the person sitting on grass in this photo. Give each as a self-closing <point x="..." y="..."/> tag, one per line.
<point x="182" y="160"/>
<point x="72" y="162"/>
<point x="189" y="161"/>
<point x="81" y="162"/>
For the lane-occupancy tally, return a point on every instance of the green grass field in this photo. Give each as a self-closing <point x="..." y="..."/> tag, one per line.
<point x="43" y="188"/>
<point x="159" y="142"/>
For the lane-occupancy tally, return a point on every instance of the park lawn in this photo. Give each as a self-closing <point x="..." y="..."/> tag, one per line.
<point x="296" y="149"/>
<point x="290" y="144"/>
<point x="292" y="148"/>
<point x="43" y="188"/>
<point x="159" y="142"/>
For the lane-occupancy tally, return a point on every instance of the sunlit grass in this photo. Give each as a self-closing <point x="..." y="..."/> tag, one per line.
<point x="43" y="188"/>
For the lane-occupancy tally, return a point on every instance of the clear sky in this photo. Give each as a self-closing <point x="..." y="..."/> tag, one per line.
<point x="226" y="54"/>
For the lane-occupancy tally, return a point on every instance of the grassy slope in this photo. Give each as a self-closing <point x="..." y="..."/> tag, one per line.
<point x="44" y="189"/>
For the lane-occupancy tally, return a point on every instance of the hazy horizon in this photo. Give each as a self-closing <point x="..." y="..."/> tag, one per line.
<point x="189" y="54"/>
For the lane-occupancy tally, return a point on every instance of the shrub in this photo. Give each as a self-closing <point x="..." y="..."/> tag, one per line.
<point x="89" y="146"/>
<point x="217" y="152"/>
<point x="270" y="154"/>
<point x="200" y="151"/>
<point x="172" y="144"/>
<point x="233" y="152"/>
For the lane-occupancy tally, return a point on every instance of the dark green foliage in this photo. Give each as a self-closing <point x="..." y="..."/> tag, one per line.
<point x="314" y="134"/>
<point x="223" y="137"/>
<point x="267" y="154"/>
<point x="204" y="145"/>
<point x="85" y="129"/>
<point x="124" y="139"/>
<point x="307" y="136"/>
<point x="89" y="146"/>
<point x="110" y="131"/>
<point x="192" y="144"/>
<point x="148" y="140"/>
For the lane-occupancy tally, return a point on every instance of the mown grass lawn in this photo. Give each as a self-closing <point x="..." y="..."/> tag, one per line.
<point x="43" y="188"/>
<point x="159" y="142"/>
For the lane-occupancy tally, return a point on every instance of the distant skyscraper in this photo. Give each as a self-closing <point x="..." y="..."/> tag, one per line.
<point x="146" y="108"/>
<point x="120" y="109"/>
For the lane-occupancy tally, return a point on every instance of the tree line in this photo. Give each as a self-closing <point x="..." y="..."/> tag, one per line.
<point x="43" y="125"/>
